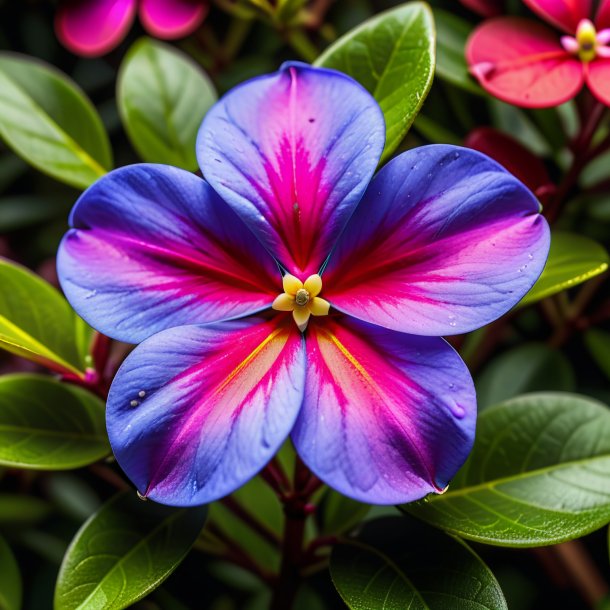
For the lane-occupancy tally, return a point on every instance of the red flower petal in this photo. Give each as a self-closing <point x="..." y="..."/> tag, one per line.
<point x="565" y="14"/>
<point x="523" y="63"/>
<point x="602" y="18"/>
<point x="597" y="75"/>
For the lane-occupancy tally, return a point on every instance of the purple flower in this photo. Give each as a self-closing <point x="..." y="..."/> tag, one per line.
<point x="442" y="240"/>
<point x="95" y="27"/>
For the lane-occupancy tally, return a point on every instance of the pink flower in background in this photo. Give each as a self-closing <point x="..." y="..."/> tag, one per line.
<point x="528" y="64"/>
<point x="94" y="27"/>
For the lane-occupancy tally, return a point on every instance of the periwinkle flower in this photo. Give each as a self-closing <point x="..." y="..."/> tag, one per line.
<point x="94" y="27"/>
<point x="289" y="227"/>
<point x="527" y="63"/>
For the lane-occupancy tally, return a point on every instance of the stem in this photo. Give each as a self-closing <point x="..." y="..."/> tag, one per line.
<point x="250" y="520"/>
<point x="273" y="474"/>
<point x="296" y="511"/>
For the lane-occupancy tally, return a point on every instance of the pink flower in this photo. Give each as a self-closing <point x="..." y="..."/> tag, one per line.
<point x="528" y="64"/>
<point x="94" y="27"/>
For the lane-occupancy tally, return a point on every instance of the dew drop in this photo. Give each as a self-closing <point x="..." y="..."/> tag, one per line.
<point x="141" y="393"/>
<point x="530" y="256"/>
<point x="134" y="403"/>
<point x="91" y="294"/>
<point x="458" y="411"/>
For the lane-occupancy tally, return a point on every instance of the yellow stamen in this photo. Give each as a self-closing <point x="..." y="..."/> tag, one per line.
<point x="302" y="299"/>
<point x="586" y="36"/>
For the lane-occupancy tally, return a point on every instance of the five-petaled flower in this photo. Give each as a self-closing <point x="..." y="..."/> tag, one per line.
<point x="443" y="240"/>
<point x="95" y="27"/>
<point x="528" y="64"/>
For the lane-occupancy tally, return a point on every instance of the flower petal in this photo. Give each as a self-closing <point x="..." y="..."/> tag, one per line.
<point x="602" y="18"/>
<point x="292" y="153"/>
<point x="444" y="241"/>
<point x="171" y="19"/>
<point x="154" y="247"/>
<point x="313" y="285"/>
<point x="597" y="74"/>
<point x="387" y="417"/>
<point x="196" y="411"/>
<point x="93" y="27"/>
<point x="522" y="62"/>
<point x="564" y="14"/>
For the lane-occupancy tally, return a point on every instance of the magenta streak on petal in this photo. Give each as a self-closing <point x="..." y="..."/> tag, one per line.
<point x="292" y="153"/>
<point x="230" y="388"/>
<point x="444" y="241"/>
<point x="387" y="417"/>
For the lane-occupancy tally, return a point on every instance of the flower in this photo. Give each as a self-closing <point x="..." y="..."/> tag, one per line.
<point x="95" y="27"/>
<point x="377" y="405"/>
<point x="528" y="64"/>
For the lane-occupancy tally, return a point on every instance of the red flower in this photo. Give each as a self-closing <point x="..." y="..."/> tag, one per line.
<point x="528" y="64"/>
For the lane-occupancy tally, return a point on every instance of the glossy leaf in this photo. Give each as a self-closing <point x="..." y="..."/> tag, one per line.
<point x="37" y="323"/>
<point x="46" y="119"/>
<point x="451" y="34"/>
<point x="10" y="579"/>
<point x="392" y="56"/>
<point x="538" y="474"/>
<point x="507" y="376"/>
<point x="48" y="425"/>
<point x="397" y="563"/>
<point x="573" y="259"/>
<point x="163" y="96"/>
<point x="123" y="552"/>
<point x="598" y="342"/>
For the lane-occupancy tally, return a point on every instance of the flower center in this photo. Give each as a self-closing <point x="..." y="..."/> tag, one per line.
<point x="301" y="298"/>
<point x="588" y="43"/>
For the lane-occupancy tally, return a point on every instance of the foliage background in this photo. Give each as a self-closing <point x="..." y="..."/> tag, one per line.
<point x="559" y="343"/>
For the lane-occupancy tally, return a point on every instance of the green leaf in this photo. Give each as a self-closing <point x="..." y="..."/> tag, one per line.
<point x="392" y="56"/>
<point x="37" y="323"/>
<point x="538" y="474"/>
<point x="397" y="563"/>
<point x="506" y="376"/>
<point x="10" y="579"/>
<point x="163" y="96"/>
<point x="123" y="552"/>
<point x="598" y="342"/>
<point x="49" y="425"/>
<point x="573" y="259"/>
<point x="451" y="35"/>
<point x="46" y="119"/>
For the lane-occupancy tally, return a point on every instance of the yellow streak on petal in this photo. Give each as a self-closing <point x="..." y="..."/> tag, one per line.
<point x="319" y="307"/>
<point x="313" y="285"/>
<point x="249" y="358"/>
<point x="283" y="302"/>
<point x="291" y="284"/>
<point x="301" y="317"/>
